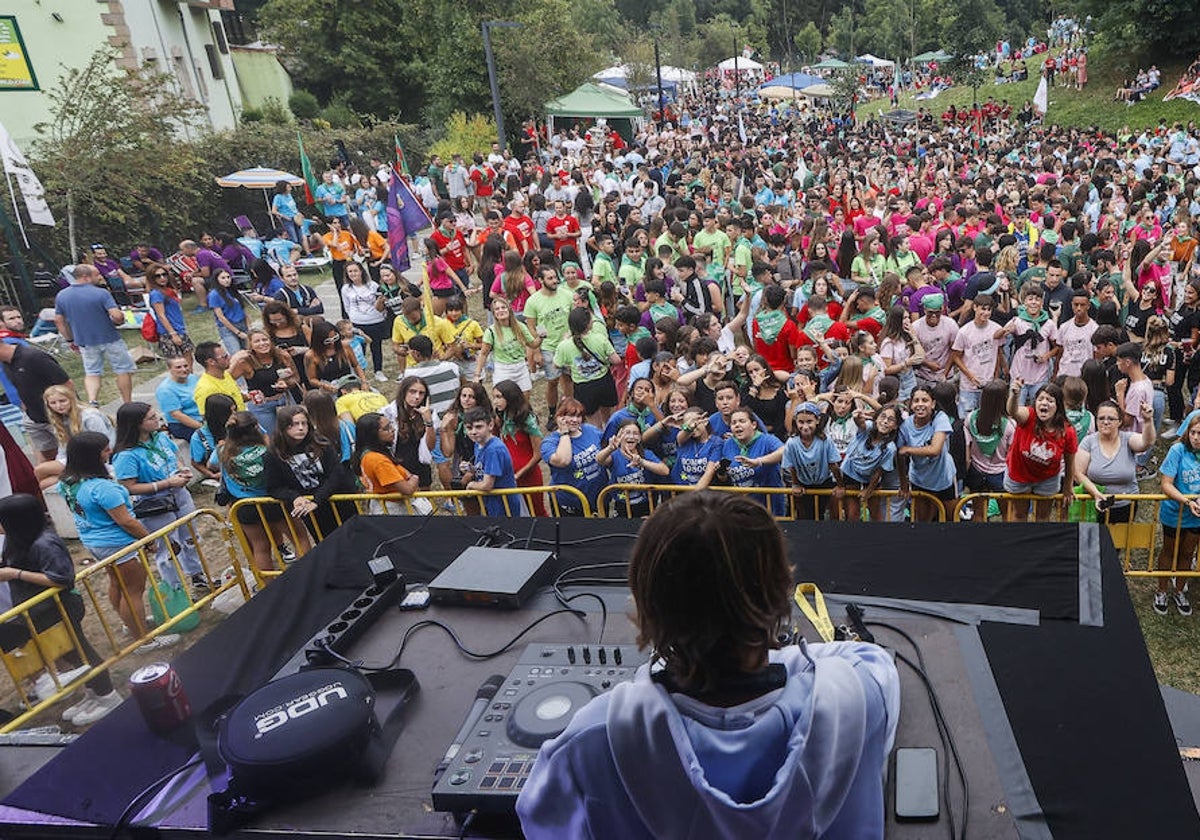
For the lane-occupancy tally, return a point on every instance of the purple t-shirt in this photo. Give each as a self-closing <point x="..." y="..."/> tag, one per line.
<point x="107" y="267"/>
<point x="154" y="254"/>
<point x="212" y="260"/>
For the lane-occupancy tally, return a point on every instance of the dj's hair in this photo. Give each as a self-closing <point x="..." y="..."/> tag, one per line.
<point x="711" y="584"/>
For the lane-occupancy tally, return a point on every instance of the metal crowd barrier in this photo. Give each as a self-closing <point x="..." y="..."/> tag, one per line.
<point x="614" y="500"/>
<point x="1140" y="543"/>
<point x="53" y="641"/>
<point x="428" y="503"/>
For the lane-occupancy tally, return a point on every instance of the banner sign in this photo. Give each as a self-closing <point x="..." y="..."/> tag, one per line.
<point x="16" y="71"/>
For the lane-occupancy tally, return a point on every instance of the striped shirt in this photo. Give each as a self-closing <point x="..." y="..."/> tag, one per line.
<point x="442" y="380"/>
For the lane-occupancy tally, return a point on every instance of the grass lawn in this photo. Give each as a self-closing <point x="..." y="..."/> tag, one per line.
<point x="1093" y="106"/>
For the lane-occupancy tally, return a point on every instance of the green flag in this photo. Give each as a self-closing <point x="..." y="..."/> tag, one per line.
<point x="401" y="160"/>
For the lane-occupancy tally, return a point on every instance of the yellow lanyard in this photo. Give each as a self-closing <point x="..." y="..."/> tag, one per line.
<point x="815" y="612"/>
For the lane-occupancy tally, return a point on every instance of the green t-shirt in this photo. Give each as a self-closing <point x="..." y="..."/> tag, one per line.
<point x="718" y="240"/>
<point x="603" y="269"/>
<point x="632" y="272"/>
<point x="1034" y="272"/>
<point x="873" y="269"/>
<point x="589" y="365"/>
<point x="1068" y="255"/>
<point x="506" y="344"/>
<point x="550" y="311"/>
<point x="742" y="256"/>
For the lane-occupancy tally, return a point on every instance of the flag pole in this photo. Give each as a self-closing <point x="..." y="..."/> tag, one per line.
<point x="16" y="210"/>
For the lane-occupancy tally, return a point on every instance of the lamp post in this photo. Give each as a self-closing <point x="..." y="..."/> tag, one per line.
<point x="662" y="109"/>
<point x="491" y="67"/>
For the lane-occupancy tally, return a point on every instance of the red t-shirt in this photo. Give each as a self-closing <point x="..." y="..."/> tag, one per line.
<point x="453" y="249"/>
<point x="483" y="177"/>
<point x="522" y="230"/>
<point x="1033" y="458"/>
<point x="778" y="354"/>
<point x="567" y="223"/>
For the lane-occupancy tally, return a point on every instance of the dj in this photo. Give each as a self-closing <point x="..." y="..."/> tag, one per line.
<point x="725" y="734"/>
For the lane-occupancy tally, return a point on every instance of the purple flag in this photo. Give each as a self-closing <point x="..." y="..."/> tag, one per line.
<point x="416" y="218"/>
<point x="397" y="233"/>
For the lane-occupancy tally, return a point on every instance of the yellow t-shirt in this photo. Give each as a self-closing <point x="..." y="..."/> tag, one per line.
<point x="207" y="385"/>
<point x="358" y="403"/>
<point x="439" y="330"/>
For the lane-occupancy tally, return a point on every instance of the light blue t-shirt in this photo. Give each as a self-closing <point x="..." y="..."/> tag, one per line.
<point x="202" y="445"/>
<point x="928" y="472"/>
<point x="764" y="475"/>
<point x="86" y="309"/>
<point x="862" y="459"/>
<point x="149" y="461"/>
<point x="178" y="396"/>
<point x="809" y="464"/>
<point x="1184" y="467"/>
<point x="285" y="205"/>
<point x="89" y="501"/>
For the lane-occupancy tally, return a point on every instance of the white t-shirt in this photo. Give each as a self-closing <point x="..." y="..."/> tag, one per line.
<point x="979" y="349"/>
<point x="1076" y="343"/>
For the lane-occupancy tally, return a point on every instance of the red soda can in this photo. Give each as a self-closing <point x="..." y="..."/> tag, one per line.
<point x="160" y="696"/>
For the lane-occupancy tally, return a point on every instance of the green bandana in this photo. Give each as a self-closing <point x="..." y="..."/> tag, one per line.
<point x="745" y="450"/>
<point x="770" y="324"/>
<point x="1037" y="322"/>
<point x="817" y="326"/>
<point x="987" y="443"/>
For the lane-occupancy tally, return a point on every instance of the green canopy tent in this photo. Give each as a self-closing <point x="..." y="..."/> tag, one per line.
<point x="830" y="64"/>
<point x="935" y="55"/>
<point x="593" y="102"/>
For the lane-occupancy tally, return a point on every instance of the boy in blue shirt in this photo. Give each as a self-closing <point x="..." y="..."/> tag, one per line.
<point x="493" y="467"/>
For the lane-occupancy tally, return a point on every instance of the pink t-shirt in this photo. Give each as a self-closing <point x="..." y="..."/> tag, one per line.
<point x="979" y="348"/>
<point x="936" y="341"/>
<point x="1076" y="342"/>
<point x="1136" y="394"/>
<point x="1024" y="363"/>
<point x="517" y="303"/>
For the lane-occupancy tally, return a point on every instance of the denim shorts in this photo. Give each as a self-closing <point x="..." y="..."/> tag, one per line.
<point x="1049" y="487"/>
<point x="115" y="353"/>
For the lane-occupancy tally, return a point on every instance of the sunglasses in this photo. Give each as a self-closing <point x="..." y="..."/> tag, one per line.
<point x="160" y="274"/>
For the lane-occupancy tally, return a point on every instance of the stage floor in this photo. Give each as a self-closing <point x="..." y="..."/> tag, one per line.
<point x="1065" y="662"/>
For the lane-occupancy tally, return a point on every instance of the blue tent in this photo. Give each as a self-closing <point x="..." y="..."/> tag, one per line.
<point x="798" y="81"/>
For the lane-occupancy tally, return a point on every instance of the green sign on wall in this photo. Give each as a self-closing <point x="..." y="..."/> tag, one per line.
<point x="16" y="71"/>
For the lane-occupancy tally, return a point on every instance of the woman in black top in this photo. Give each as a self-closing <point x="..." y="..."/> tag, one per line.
<point x="414" y="425"/>
<point x="289" y="335"/>
<point x="301" y="464"/>
<point x="267" y="371"/>
<point x="36" y="559"/>
<point x="457" y="446"/>
<point x="764" y="395"/>
<point x="329" y="358"/>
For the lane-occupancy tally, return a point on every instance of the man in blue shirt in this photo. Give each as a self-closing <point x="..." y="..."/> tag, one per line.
<point x="493" y="467"/>
<point x="87" y="316"/>
<point x="176" y="400"/>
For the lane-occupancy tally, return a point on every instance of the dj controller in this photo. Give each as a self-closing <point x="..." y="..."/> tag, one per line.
<point x="550" y="683"/>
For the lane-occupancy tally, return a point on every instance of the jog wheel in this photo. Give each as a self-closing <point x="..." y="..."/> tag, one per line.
<point x="546" y="711"/>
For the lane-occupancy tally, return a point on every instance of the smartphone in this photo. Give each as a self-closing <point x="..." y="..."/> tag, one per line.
<point x="916" y="784"/>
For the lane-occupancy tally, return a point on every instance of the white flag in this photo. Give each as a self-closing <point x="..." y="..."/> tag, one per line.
<point x="1041" y="99"/>
<point x="31" y="188"/>
<point x="741" y="128"/>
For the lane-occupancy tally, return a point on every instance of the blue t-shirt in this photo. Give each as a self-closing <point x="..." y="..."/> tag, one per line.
<point x="928" y="472"/>
<point x="86" y="309"/>
<point x="862" y="459"/>
<point x="280" y="251"/>
<point x="202" y="445"/>
<point x="89" y="501"/>
<point x="273" y="288"/>
<point x="171" y="309"/>
<point x="149" y="461"/>
<point x="492" y="459"/>
<point x="692" y="459"/>
<point x="334" y="193"/>
<point x="809" y="464"/>
<point x="625" y="473"/>
<point x="285" y="205"/>
<point x="232" y="309"/>
<point x="764" y="475"/>
<point x="252" y="244"/>
<point x="584" y="473"/>
<point x="645" y="419"/>
<point x="251" y="458"/>
<point x="1184" y="467"/>
<point x="178" y="396"/>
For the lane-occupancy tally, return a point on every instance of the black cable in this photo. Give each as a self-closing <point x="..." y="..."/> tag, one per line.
<point x="584" y="540"/>
<point x="466" y="823"/>
<point x="939" y="718"/>
<point x="404" y="536"/>
<point x="129" y="811"/>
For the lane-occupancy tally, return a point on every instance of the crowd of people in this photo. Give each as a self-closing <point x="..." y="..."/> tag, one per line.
<point x="839" y="309"/>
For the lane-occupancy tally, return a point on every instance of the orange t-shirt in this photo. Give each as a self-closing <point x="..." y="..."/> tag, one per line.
<point x="341" y="247"/>
<point x="379" y="472"/>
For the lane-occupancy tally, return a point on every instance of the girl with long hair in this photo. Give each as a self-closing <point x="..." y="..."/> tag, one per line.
<point x="173" y="339"/>
<point x="923" y="445"/>
<point x="414" y="420"/>
<point x="511" y="342"/>
<point x="367" y="311"/>
<point x="869" y="464"/>
<point x="68" y="417"/>
<point x="764" y="395"/>
<point x="36" y="559"/>
<point x="586" y="358"/>
<point x="900" y="350"/>
<point x="287" y="333"/>
<point x="324" y="418"/>
<point x="269" y="374"/>
<point x="1179" y="515"/>
<point x="218" y="408"/>
<point x="1041" y="459"/>
<point x="515" y="284"/>
<point x="810" y="462"/>
<point x="303" y="470"/>
<point x="629" y="462"/>
<point x="104" y="516"/>
<point x="145" y="461"/>
<point x="456" y="444"/>
<point x="989" y="433"/>
<point x="226" y="304"/>
<point x="241" y="457"/>
<point x="374" y="441"/>
<point x="518" y="429"/>
<point x="329" y="358"/>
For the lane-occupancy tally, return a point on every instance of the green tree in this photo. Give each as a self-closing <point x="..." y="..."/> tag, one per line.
<point x="970" y="27"/>
<point x="1157" y="28"/>
<point x="115" y="150"/>
<point x="807" y="42"/>
<point x="600" y="21"/>
<point x="721" y="35"/>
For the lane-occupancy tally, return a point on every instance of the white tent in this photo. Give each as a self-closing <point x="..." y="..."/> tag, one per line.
<point x="741" y="65"/>
<point x="678" y="75"/>
<point x="875" y="61"/>
<point x="617" y="71"/>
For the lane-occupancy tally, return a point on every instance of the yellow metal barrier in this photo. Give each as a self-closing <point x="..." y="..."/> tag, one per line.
<point x="1141" y="541"/>
<point x="342" y="506"/>
<point x="59" y="638"/>
<point x="615" y="500"/>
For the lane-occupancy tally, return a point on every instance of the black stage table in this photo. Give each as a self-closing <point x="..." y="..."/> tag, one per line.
<point x="1090" y="753"/>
